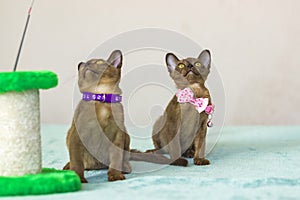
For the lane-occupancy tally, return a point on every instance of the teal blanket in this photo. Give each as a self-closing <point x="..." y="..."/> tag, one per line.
<point x="246" y="163"/>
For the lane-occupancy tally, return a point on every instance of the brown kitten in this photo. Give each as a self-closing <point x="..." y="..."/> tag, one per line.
<point x="182" y="130"/>
<point x="97" y="138"/>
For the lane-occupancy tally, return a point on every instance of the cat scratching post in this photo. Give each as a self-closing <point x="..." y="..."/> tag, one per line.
<point x="20" y="140"/>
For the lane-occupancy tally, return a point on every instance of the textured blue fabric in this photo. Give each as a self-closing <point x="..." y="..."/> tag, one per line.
<point x="246" y="163"/>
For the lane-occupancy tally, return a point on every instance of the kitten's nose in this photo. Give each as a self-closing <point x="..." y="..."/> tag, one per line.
<point x="190" y="66"/>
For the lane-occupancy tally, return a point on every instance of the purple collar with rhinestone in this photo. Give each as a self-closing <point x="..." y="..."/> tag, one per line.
<point x="105" y="98"/>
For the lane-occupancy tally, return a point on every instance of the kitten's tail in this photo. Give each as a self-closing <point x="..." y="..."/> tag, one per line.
<point x="149" y="157"/>
<point x="136" y="155"/>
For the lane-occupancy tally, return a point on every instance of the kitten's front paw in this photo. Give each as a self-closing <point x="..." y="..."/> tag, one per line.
<point x="115" y="175"/>
<point x="83" y="180"/>
<point x="201" y="161"/>
<point x="180" y="162"/>
<point x="126" y="168"/>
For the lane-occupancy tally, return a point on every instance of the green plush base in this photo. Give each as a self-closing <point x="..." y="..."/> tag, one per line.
<point x="27" y="80"/>
<point x="47" y="182"/>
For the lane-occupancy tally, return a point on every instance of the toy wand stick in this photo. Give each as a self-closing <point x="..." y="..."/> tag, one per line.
<point x="25" y="29"/>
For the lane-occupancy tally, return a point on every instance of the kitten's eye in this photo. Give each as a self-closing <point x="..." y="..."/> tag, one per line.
<point x="180" y="66"/>
<point x="99" y="62"/>
<point x="198" y="64"/>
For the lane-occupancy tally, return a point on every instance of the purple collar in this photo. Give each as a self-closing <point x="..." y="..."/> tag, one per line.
<point x="105" y="98"/>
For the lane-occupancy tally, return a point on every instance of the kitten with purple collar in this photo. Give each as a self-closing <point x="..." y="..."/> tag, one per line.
<point x="181" y="130"/>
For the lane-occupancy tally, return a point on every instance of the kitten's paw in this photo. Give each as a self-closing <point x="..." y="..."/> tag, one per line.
<point x="114" y="175"/>
<point x="201" y="161"/>
<point x="67" y="166"/>
<point x="126" y="168"/>
<point x="83" y="180"/>
<point x="180" y="162"/>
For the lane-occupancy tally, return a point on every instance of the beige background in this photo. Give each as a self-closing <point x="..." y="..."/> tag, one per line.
<point x="255" y="45"/>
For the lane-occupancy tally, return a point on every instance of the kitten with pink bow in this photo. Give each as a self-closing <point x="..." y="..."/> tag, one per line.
<point x="181" y="130"/>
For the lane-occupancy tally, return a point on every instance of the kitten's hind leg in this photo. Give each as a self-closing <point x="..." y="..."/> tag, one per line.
<point x="158" y="147"/>
<point x="76" y="151"/>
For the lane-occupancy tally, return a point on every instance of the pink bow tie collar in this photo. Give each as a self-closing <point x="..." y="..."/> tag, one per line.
<point x="201" y="104"/>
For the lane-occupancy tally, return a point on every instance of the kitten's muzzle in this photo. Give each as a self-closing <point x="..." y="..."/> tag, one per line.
<point x="87" y="68"/>
<point x="92" y="70"/>
<point x="191" y="69"/>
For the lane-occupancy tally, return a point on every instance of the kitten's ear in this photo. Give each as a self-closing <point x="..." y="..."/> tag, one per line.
<point x="205" y="58"/>
<point x="115" y="58"/>
<point x="171" y="61"/>
<point x="79" y="65"/>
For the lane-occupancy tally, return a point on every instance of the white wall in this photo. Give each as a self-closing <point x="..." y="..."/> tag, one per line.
<point x="255" y="45"/>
